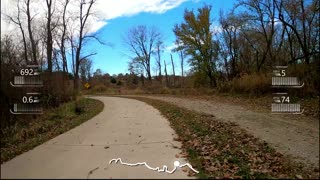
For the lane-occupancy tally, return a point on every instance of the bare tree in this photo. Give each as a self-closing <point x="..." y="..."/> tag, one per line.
<point x="230" y="26"/>
<point x="141" y="41"/>
<point x="309" y="21"/>
<point x="63" y="38"/>
<point x="30" y="31"/>
<point x="135" y="67"/>
<point x="88" y="68"/>
<point x="83" y="17"/>
<point x="17" y="21"/>
<point x="165" y="72"/>
<point x="262" y="20"/>
<point x="49" y="41"/>
<point x="55" y="60"/>
<point x="85" y="69"/>
<point x="173" y="71"/>
<point x="9" y="50"/>
<point x="73" y="50"/>
<point x="158" y="59"/>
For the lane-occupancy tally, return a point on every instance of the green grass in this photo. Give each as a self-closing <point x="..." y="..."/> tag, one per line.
<point x="30" y="132"/>
<point x="224" y="150"/>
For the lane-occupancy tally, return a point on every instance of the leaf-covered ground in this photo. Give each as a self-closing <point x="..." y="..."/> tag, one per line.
<point x="263" y="103"/>
<point x="224" y="150"/>
<point x="28" y="133"/>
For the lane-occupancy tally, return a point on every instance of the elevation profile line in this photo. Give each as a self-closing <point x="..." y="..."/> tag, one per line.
<point x="164" y="168"/>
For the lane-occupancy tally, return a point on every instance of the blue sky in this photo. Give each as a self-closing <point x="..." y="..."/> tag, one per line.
<point x="113" y="60"/>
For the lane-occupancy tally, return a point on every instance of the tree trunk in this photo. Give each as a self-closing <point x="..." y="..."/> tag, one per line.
<point x="166" y="73"/>
<point x="174" y="73"/>
<point x="83" y="19"/>
<point x="159" y="63"/>
<point x="142" y="79"/>
<point x="62" y="42"/>
<point x="182" y="64"/>
<point x="149" y="75"/>
<point x="33" y="44"/>
<point x="49" y="36"/>
<point x="213" y="82"/>
<point x="76" y="73"/>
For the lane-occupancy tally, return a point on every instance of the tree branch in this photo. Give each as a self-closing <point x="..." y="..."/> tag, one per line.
<point x="92" y="54"/>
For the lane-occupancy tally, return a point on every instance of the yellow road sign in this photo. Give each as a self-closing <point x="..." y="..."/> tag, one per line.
<point x="87" y="85"/>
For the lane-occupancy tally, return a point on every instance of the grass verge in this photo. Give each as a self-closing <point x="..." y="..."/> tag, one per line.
<point x="31" y="132"/>
<point x="224" y="150"/>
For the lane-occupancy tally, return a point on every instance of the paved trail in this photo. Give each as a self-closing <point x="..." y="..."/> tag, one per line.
<point x="294" y="135"/>
<point x="126" y="128"/>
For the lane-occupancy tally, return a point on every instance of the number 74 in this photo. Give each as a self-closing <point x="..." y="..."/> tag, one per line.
<point x="285" y="99"/>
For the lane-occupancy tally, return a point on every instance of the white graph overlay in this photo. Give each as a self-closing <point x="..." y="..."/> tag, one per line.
<point x="164" y="168"/>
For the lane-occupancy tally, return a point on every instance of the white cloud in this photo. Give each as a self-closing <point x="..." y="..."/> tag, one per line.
<point x="170" y="47"/>
<point x="110" y="9"/>
<point x="216" y="28"/>
<point x="104" y="9"/>
<point x="97" y="25"/>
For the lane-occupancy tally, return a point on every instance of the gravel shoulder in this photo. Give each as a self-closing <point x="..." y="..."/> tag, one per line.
<point x="292" y="135"/>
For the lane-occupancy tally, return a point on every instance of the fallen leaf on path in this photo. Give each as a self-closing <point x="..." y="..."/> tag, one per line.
<point x="183" y="155"/>
<point x="299" y="176"/>
<point x="184" y="169"/>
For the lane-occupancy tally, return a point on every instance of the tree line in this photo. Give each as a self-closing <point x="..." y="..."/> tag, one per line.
<point x="251" y="38"/>
<point x="50" y="41"/>
<point x="246" y="41"/>
<point x="51" y="34"/>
